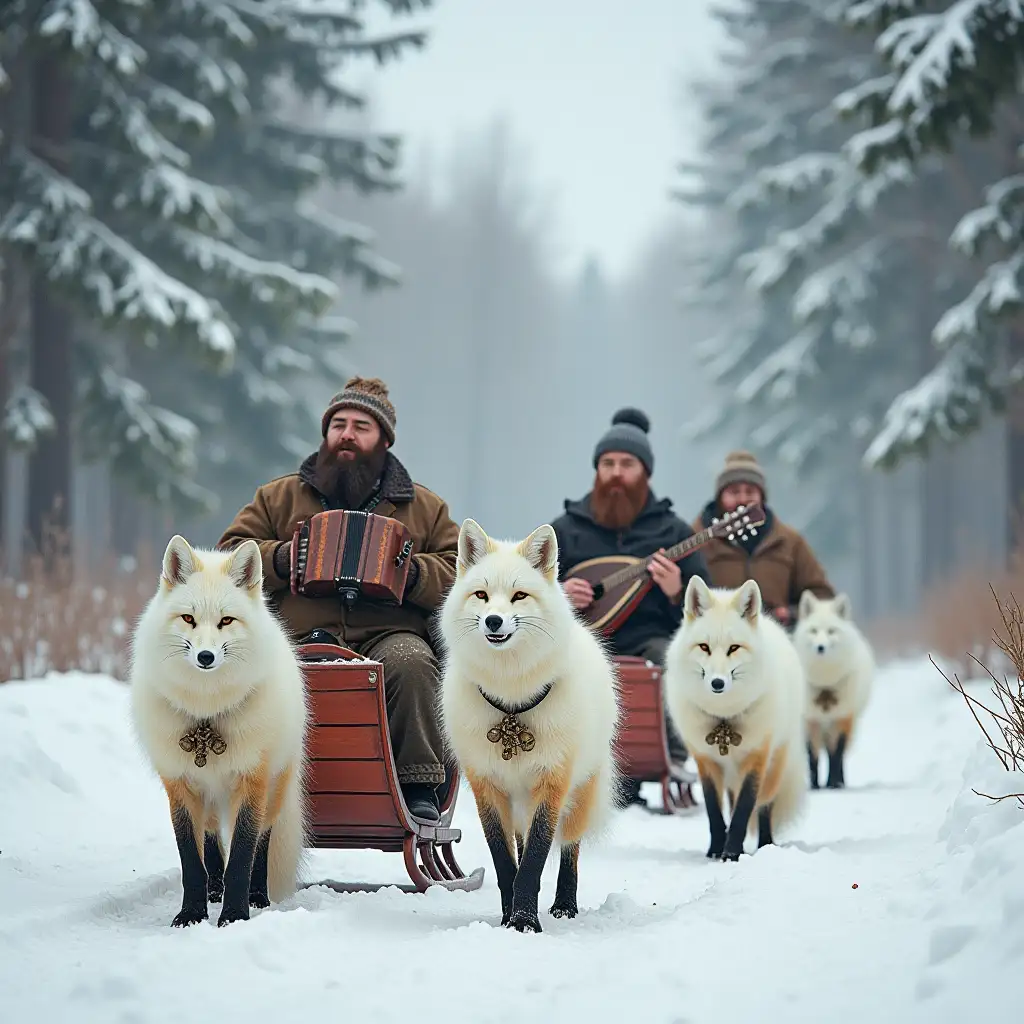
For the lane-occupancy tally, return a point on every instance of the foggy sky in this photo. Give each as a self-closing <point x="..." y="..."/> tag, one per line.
<point x="592" y="88"/>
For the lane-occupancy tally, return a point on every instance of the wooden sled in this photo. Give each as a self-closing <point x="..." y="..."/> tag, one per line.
<point x="355" y="799"/>
<point x="642" y="740"/>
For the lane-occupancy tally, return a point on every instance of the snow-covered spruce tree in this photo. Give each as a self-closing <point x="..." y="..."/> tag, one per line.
<point x="101" y="199"/>
<point x="771" y="150"/>
<point x="277" y="101"/>
<point x="952" y="71"/>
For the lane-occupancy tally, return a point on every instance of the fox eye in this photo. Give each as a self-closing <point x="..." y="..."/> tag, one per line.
<point x="704" y="648"/>
<point x="520" y="595"/>
<point x="480" y="595"/>
<point x="733" y="648"/>
<point x="190" y="620"/>
<point x="226" y="621"/>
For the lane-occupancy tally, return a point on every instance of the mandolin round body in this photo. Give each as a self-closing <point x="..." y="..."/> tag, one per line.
<point x="612" y="607"/>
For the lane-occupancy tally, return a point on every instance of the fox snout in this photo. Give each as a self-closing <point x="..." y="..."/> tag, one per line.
<point x="717" y="684"/>
<point x="494" y="623"/>
<point x="822" y="648"/>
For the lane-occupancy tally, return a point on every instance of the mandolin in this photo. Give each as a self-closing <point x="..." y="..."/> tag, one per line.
<point x="620" y="582"/>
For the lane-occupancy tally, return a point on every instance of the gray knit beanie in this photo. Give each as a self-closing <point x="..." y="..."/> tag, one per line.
<point x="628" y="433"/>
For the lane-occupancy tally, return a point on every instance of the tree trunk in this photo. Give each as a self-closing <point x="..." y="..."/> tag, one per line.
<point x="49" y="490"/>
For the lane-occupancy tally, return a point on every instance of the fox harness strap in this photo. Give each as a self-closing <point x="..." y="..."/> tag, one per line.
<point x="510" y="732"/>
<point x="202" y="737"/>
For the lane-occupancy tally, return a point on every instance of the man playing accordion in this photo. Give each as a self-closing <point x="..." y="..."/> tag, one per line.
<point x="354" y="469"/>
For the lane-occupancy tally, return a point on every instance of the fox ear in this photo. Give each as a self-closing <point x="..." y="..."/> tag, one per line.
<point x="540" y="549"/>
<point x="179" y="561"/>
<point x="473" y="544"/>
<point x="697" y="599"/>
<point x="843" y="606"/>
<point x="748" y="601"/>
<point x="245" y="566"/>
<point x="808" y="600"/>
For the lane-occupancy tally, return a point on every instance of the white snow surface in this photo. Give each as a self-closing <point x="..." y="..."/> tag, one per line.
<point x="89" y="881"/>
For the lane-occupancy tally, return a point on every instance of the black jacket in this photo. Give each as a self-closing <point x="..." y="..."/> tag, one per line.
<point x="581" y="537"/>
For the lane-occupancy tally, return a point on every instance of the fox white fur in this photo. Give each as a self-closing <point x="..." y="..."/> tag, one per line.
<point x="840" y="667"/>
<point x="729" y="662"/>
<point x="509" y="629"/>
<point x="208" y="648"/>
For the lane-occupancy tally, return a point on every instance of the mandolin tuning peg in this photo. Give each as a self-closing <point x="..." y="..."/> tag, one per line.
<point x="753" y="531"/>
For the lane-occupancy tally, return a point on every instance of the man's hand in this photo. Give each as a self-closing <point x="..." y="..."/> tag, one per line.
<point x="580" y="592"/>
<point x="782" y="615"/>
<point x="667" y="575"/>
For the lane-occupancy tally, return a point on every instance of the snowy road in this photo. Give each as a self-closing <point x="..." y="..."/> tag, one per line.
<point x="89" y="882"/>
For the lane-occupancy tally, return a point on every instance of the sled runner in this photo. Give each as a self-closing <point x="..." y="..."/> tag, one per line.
<point x="355" y="799"/>
<point x="642" y="740"/>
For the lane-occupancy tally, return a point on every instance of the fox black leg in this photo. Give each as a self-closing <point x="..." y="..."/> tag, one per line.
<point x="258" y="895"/>
<point x="716" y="822"/>
<point x="812" y="764"/>
<point x="519" y="847"/>
<point x="764" y="827"/>
<point x="836" y="779"/>
<point x="526" y="889"/>
<point x="565" y="888"/>
<point x="213" y="858"/>
<point x="193" y="873"/>
<point x="238" y="873"/>
<point x="742" y="810"/>
<point x="501" y="855"/>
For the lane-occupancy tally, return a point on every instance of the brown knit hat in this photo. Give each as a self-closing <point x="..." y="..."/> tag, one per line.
<point x="370" y="394"/>
<point x="740" y="467"/>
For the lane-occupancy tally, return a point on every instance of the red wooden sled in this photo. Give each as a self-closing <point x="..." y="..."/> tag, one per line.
<point x="642" y="740"/>
<point x="355" y="799"/>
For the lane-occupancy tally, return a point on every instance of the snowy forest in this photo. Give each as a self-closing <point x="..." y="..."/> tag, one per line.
<point x="203" y="231"/>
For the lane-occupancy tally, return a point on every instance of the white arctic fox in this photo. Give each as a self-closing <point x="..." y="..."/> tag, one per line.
<point x="219" y="704"/>
<point x="840" y="668"/>
<point x="529" y="704"/>
<point x="735" y="690"/>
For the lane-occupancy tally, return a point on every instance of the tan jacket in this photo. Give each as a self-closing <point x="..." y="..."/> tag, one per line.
<point x="277" y="507"/>
<point x="783" y="564"/>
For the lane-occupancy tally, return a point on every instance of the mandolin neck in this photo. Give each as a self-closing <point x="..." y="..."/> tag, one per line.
<point x="673" y="554"/>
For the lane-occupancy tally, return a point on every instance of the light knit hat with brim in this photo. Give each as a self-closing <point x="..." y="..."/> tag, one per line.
<point x="740" y="467"/>
<point x="368" y="394"/>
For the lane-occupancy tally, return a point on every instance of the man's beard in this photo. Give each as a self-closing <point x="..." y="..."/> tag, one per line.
<point x="349" y="482"/>
<point x="615" y="505"/>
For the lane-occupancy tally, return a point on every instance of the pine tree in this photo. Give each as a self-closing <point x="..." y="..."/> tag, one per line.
<point x="771" y="154"/>
<point x="171" y="219"/>
<point x="949" y="75"/>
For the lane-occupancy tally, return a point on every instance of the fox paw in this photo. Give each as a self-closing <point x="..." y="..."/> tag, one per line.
<point x="524" y="921"/>
<point x="188" y="916"/>
<point x="731" y="854"/>
<point x="231" y="914"/>
<point x="215" y="893"/>
<point x="260" y="900"/>
<point x="564" y="910"/>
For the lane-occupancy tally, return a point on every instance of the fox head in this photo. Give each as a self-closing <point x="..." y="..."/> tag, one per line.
<point x="823" y="625"/>
<point x="506" y="594"/>
<point x="720" y="632"/>
<point x="209" y="599"/>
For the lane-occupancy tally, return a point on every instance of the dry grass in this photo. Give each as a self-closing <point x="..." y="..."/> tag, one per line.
<point x="52" y="620"/>
<point x="1008" y="722"/>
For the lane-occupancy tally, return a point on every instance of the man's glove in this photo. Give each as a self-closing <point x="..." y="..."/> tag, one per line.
<point x="283" y="560"/>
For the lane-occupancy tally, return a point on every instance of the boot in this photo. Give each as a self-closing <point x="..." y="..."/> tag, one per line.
<point x="421" y="799"/>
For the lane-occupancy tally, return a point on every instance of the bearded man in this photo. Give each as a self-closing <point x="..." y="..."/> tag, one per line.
<point x="622" y="516"/>
<point x="354" y="469"/>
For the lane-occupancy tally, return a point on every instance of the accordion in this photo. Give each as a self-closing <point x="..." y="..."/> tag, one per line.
<point x="347" y="554"/>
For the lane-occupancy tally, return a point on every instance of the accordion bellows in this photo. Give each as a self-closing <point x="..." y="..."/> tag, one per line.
<point x="347" y="554"/>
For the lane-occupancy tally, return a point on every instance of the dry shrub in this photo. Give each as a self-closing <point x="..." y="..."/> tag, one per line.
<point x="958" y="621"/>
<point x="1009" y="721"/>
<point x="54" y="620"/>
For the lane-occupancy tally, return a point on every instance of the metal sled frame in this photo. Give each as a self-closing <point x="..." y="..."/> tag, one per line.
<point x="355" y="800"/>
<point x="642" y="740"/>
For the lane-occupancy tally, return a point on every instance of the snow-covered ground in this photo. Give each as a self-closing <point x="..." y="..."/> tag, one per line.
<point x="933" y="931"/>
